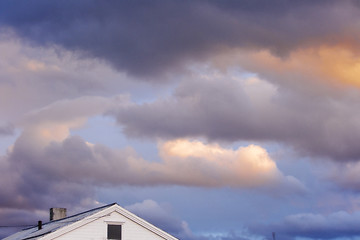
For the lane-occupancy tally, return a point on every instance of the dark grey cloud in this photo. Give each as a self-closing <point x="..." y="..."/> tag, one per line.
<point x="317" y="226"/>
<point x="147" y="38"/>
<point x="223" y="110"/>
<point x="32" y="175"/>
<point x="60" y="175"/>
<point x="24" y="186"/>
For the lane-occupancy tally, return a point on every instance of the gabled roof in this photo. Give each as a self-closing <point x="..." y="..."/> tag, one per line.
<point x="56" y="228"/>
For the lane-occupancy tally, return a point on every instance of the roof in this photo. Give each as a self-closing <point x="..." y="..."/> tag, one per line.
<point x="68" y="223"/>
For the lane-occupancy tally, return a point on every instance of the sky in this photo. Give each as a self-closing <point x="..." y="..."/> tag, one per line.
<point x="213" y="120"/>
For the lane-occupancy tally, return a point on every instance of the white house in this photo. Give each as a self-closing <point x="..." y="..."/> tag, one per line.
<point x="107" y="222"/>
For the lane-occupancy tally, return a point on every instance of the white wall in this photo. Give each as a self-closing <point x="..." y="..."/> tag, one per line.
<point x="97" y="230"/>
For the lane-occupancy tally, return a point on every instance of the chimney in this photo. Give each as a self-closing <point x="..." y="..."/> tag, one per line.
<point x="57" y="213"/>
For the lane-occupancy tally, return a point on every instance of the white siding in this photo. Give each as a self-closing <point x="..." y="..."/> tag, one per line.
<point x="97" y="230"/>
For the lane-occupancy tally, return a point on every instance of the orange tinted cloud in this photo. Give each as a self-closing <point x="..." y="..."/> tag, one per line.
<point x="338" y="65"/>
<point x="196" y="163"/>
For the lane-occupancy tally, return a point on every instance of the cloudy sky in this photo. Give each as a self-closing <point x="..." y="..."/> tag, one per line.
<point x="214" y="120"/>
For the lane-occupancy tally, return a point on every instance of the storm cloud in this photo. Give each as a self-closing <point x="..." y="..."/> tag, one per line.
<point x="240" y="111"/>
<point x="320" y="226"/>
<point x="233" y="109"/>
<point x="149" y="38"/>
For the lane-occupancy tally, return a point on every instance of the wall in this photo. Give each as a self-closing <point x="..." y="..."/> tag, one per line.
<point x="97" y="230"/>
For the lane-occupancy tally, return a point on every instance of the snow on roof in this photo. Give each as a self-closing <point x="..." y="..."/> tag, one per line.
<point x="33" y="233"/>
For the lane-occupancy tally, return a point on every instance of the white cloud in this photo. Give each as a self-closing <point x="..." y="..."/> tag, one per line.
<point x="195" y="163"/>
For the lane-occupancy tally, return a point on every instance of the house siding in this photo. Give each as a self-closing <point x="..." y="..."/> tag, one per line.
<point x="97" y="230"/>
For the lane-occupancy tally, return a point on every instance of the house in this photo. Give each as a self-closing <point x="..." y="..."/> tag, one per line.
<point x="107" y="222"/>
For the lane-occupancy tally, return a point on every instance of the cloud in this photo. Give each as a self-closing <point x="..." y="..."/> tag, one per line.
<point x="332" y="226"/>
<point x="76" y="162"/>
<point x="305" y="96"/>
<point x="34" y="77"/>
<point x="66" y="173"/>
<point x="314" y="70"/>
<point x="238" y="234"/>
<point x="303" y="63"/>
<point x="345" y="175"/>
<point x="282" y="72"/>
<point x="23" y="183"/>
<point x="132" y="36"/>
<point x="45" y="162"/>
<point x="162" y="217"/>
<point x="7" y="129"/>
<point x="231" y="107"/>
<point x="194" y="163"/>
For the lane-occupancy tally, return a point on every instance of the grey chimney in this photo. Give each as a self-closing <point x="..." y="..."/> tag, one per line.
<point x="57" y="213"/>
